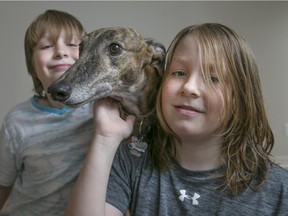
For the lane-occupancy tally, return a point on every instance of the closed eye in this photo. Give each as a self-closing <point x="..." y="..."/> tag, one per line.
<point x="46" y="46"/>
<point x="72" y="45"/>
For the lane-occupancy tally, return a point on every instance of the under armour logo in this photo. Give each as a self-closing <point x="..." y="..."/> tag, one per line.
<point x="183" y="196"/>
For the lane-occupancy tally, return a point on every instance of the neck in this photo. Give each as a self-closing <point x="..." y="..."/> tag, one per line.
<point x="199" y="155"/>
<point x="48" y="101"/>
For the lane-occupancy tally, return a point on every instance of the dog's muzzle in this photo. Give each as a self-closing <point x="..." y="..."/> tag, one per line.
<point x="59" y="92"/>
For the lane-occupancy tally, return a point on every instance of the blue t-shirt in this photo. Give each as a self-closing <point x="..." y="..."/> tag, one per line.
<point x="41" y="153"/>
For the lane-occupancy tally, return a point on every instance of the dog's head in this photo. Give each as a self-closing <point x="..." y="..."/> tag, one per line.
<point x="115" y="62"/>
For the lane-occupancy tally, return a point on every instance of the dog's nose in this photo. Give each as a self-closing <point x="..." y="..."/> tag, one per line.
<point x="59" y="92"/>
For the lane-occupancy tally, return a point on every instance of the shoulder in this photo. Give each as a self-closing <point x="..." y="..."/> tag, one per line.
<point x="276" y="180"/>
<point x="278" y="173"/>
<point x="16" y="114"/>
<point x="19" y="109"/>
<point x="277" y="188"/>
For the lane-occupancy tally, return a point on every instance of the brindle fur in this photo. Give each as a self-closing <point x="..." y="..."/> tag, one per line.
<point x="131" y="74"/>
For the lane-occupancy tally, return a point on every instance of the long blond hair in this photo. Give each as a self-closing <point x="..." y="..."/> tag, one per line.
<point x="248" y="138"/>
<point x="53" y="21"/>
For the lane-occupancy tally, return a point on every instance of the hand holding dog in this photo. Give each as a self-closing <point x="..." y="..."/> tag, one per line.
<point x="109" y="125"/>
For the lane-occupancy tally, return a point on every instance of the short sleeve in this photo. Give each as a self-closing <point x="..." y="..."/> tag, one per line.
<point x="8" y="171"/>
<point x="119" y="190"/>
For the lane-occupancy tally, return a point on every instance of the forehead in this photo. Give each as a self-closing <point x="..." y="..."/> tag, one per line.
<point x="186" y="44"/>
<point x="186" y="49"/>
<point x="195" y="49"/>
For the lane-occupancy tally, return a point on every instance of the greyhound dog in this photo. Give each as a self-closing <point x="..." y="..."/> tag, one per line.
<point x="115" y="62"/>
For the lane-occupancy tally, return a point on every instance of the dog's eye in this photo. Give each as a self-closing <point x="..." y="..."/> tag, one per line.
<point x="114" y="48"/>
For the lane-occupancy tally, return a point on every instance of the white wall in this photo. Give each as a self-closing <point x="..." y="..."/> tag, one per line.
<point x="263" y="24"/>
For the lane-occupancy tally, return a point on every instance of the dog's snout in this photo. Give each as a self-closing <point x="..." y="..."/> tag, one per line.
<point x="59" y="92"/>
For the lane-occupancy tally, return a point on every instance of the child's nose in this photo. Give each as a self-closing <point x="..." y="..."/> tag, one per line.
<point x="192" y="86"/>
<point x="61" y="51"/>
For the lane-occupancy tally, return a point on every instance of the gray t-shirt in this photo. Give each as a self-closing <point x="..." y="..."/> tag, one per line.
<point x="136" y="185"/>
<point x="41" y="153"/>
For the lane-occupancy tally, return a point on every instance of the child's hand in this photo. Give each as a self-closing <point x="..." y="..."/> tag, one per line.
<point x="108" y="122"/>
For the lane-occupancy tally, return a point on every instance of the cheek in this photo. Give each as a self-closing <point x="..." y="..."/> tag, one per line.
<point x="166" y="94"/>
<point x="75" y="54"/>
<point x="167" y="98"/>
<point x="216" y="107"/>
<point x="39" y="61"/>
<point x="38" y="68"/>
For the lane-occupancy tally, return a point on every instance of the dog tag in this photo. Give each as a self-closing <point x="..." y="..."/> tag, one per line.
<point x="137" y="146"/>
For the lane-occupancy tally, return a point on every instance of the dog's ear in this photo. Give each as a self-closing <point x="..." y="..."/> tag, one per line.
<point x="159" y="54"/>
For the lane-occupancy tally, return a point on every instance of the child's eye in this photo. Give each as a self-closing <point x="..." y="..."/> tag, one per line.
<point x="46" y="46"/>
<point x="178" y="74"/>
<point x="214" y="79"/>
<point x="72" y="45"/>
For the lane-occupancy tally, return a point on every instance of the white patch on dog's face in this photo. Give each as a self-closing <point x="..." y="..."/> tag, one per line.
<point x="83" y="94"/>
<point x="136" y="86"/>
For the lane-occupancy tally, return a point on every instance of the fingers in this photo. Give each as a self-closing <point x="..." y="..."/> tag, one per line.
<point x="130" y="119"/>
<point x="108" y="119"/>
<point x="110" y="104"/>
<point x="107" y="101"/>
<point x="104" y="105"/>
